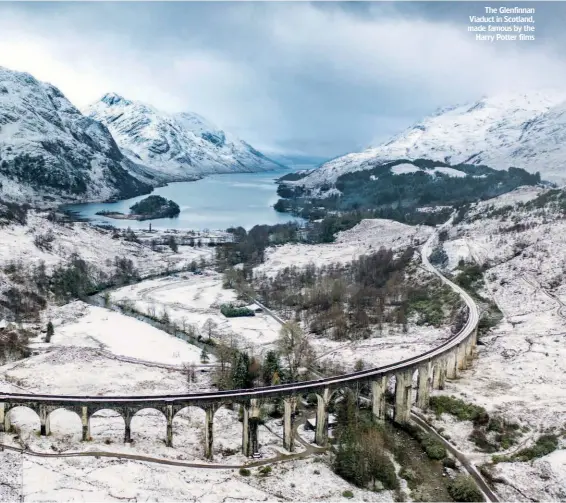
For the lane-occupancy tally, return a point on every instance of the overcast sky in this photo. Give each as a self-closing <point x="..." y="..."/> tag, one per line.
<point x="313" y="78"/>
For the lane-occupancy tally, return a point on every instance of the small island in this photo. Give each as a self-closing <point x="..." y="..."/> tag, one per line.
<point x="150" y="208"/>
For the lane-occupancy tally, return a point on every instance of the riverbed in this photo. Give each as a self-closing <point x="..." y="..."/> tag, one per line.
<point x="215" y="202"/>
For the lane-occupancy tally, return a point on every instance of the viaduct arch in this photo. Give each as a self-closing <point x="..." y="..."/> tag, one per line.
<point x="433" y="368"/>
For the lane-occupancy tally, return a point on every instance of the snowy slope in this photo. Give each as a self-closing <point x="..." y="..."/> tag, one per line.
<point x="520" y="130"/>
<point x="49" y="151"/>
<point x="177" y="146"/>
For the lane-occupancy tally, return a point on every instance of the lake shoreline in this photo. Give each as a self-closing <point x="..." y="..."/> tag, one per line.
<point x="213" y="202"/>
<point x="123" y="216"/>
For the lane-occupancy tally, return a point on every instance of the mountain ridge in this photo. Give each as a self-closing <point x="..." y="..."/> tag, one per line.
<point x="513" y="130"/>
<point x="175" y="146"/>
<point x="50" y="152"/>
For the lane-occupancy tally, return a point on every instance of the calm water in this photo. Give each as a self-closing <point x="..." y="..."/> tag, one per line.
<point x="215" y="202"/>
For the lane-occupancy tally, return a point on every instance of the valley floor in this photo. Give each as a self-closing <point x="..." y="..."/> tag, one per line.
<point x="519" y="372"/>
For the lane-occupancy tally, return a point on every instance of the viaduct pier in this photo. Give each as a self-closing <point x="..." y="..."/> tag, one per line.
<point x="428" y="370"/>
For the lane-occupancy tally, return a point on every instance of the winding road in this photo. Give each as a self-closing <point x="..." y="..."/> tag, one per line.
<point x="285" y="389"/>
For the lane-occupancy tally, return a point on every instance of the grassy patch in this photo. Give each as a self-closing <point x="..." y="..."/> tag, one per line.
<point x="433" y="304"/>
<point x="463" y="488"/>
<point x="433" y="447"/>
<point x="543" y="446"/>
<point x="459" y="409"/>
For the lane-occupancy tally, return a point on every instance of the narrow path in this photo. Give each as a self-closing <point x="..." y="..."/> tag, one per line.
<point x="460" y="456"/>
<point x="279" y="458"/>
<point x="466" y="463"/>
<point x="472" y="321"/>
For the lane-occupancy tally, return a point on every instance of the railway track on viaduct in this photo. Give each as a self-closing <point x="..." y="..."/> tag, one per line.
<point x="431" y="369"/>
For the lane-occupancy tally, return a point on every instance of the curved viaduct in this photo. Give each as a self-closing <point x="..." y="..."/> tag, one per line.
<point x="432" y="369"/>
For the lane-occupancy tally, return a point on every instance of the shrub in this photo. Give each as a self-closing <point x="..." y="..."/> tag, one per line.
<point x="348" y="494"/>
<point x="244" y="472"/>
<point x="469" y="275"/>
<point x="172" y="243"/>
<point x="449" y="463"/>
<point x="231" y="311"/>
<point x="50" y="332"/>
<point x="434" y="448"/>
<point x="264" y="471"/>
<point x="463" y="488"/>
<point x="543" y="446"/>
<point x="458" y="408"/>
<point x="479" y="438"/>
<point x="410" y="476"/>
<point x="43" y="241"/>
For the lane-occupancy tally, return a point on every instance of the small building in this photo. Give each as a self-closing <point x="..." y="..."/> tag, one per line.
<point x="255" y="308"/>
<point x="311" y="422"/>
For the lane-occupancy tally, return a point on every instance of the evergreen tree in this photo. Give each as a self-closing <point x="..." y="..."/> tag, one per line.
<point x="50" y="332"/>
<point x="240" y="371"/>
<point x="271" y="366"/>
<point x="204" y="358"/>
<point x="172" y="242"/>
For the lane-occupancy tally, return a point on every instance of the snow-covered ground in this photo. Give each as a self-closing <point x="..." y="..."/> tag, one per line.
<point x="381" y="349"/>
<point x="369" y="235"/>
<point x="94" y="245"/>
<point x="401" y="169"/>
<point x="520" y="372"/>
<point x="195" y="300"/>
<point x="93" y="480"/>
<point x="79" y="324"/>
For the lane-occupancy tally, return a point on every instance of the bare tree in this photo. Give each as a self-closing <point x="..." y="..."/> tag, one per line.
<point x="294" y="348"/>
<point x="190" y="372"/>
<point x="210" y="327"/>
<point x="224" y="354"/>
<point x="184" y="323"/>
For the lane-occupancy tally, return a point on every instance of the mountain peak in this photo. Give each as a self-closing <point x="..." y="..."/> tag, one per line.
<point x="114" y="99"/>
<point x="51" y="152"/>
<point x="523" y="130"/>
<point x="176" y="146"/>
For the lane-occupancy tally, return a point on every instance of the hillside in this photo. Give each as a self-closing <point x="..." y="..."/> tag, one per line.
<point x="180" y="146"/>
<point x="50" y="152"/>
<point x="512" y="130"/>
<point x="517" y="240"/>
<point x="418" y="191"/>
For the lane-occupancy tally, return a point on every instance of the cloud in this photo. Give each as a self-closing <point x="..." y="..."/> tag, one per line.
<point x="321" y="79"/>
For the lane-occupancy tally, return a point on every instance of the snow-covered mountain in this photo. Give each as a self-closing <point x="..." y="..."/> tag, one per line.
<point x="522" y="130"/>
<point x="49" y="151"/>
<point x="180" y="146"/>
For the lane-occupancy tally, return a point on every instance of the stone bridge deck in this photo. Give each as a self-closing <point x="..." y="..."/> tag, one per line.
<point x="431" y="369"/>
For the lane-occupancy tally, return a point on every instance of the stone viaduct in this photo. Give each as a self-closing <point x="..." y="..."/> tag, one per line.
<point x="422" y="373"/>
